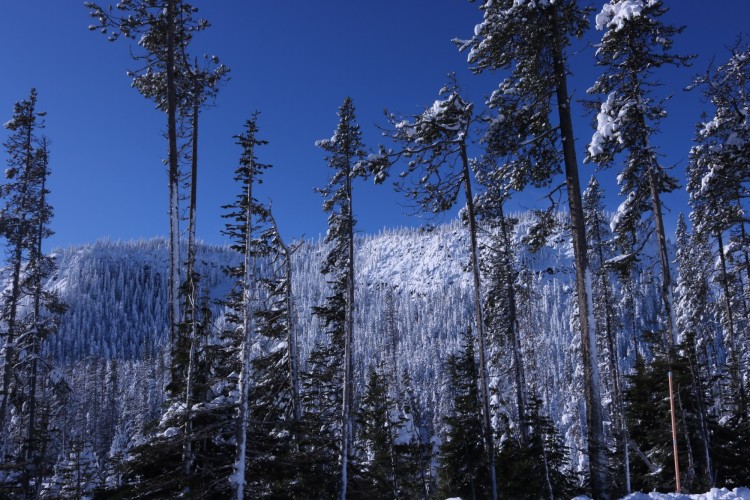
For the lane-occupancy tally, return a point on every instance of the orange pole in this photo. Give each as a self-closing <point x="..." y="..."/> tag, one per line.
<point x="674" y="435"/>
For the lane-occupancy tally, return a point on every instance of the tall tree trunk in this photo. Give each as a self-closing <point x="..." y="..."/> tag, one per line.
<point x="734" y="359"/>
<point x="513" y="329"/>
<point x="29" y="455"/>
<point x="248" y="297"/>
<point x="15" y="295"/>
<point x="346" y="414"/>
<point x="594" y="417"/>
<point x="192" y="290"/>
<point x="483" y="378"/>
<point x="174" y="180"/>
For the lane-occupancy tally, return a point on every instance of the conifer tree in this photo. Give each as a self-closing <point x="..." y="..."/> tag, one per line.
<point x="164" y="30"/>
<point x="540" y="468"/>
<point x="692" y="311"/>
<point x="634" y="44"/>
<point x="246" y="215"/>
<point x="30" y="313"/>
<point x="600" y="253"/>
<point x="463" y="459"/>
<point x="531" y="38"/>
<point x="377" y="426"/>
<point x="718" y="179"/>
<point x="501" y="308"/>
<point x="435" y="142"/>
<point x="345" y="153"/>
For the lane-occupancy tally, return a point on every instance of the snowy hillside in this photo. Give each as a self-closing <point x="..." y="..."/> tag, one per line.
<point x="117" y="309"/>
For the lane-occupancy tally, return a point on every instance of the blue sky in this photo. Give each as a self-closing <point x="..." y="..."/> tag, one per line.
<point x="295" y="62"/>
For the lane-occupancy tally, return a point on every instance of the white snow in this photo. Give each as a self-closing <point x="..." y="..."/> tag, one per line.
<point x="615" y="15"/>
<point x="713" y="494"/>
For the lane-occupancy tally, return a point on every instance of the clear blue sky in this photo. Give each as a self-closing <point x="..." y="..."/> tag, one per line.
<point x="294" y="61"/>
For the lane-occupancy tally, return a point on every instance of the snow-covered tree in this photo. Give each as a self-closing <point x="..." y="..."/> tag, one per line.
<point x="531" y="38"/>
<point x="246" y="216"/>
<point x="718" y="180"/>
<point x="345" y="152"/>
<point x="164" y="30"/>
<point x="29" y="311"/>
<point x="435" y="145"/>
<point x="635" y="43"/>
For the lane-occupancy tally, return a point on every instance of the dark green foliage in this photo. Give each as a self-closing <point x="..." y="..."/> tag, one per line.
<point x="462" y="460"/>
<point x="321" y="402"/>
<point x="702" y="441"/>
<point x="390" y="447"/>
<point x="541" y="468"/>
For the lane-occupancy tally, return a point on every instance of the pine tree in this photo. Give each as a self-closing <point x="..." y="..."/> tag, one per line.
<point x="540" y="467"/>
<point x="600" y="253"/>
<point x="718" y="175"/>
<point x="532" y="37"/>
<point x="463" y="461"/>
<point x="634" y="44"/>
<point x="501" y="307"/>
<point x="435" y="143"/>
<point x="692" y="313"/>
<point x="246" y="215"/>
<point x="345" y="153"/>
<point x="274" y="394"/>
<point x="30" y="312"/>
<point x="647" y="401"/>
<point x="164" y="30"/>
<point x="377" y="425"/>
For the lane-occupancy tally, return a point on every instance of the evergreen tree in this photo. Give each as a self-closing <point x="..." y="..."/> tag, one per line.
<point x="246" y="216"/>
<point x="531" y="38"/>
<point x="30" y="312"/>
<point x="463" y="460"/>
<point x="632" y="47"/>
<point x="377" y="425"/>
<point x="540" y="467"/>
<point x="435" y="143"/>
<point x="345" y="154"/>
<point x="501" y="307"/>
<point x="273" y="396"/>
<point x="718" y="177"/>
<point x="600" y="253"/>
<point x="647" y="401"/>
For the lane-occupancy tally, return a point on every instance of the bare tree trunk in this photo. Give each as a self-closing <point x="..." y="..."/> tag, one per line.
<point x="192" y="292"/>
<point x="174" y="179"/>
<point x="346" y="414"/>
<point x="734" y="359"/>
<point x="513" y="329"/>
<point x="594" y="417"/>
<point x="483" y="378"/>
<point x="248" y="297"/>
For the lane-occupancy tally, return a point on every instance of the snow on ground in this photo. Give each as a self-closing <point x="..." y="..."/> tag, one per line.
<point x="714" y="494"/>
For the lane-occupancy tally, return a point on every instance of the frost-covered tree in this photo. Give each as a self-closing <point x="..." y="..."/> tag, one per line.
<point x="345" y="153"/>
<point x="600" y="253"/>
<point x="635" y="43"/>
<point x="163" y="29"/>
<point x="500" y="307"/>
<point x="718" y="181"/>
<point x="246" y="216"/>
<point x="530" y="38"/>
<point x="30" y="312"/>
<point x="435" y="145"/>
<point x="692" y="310"/>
